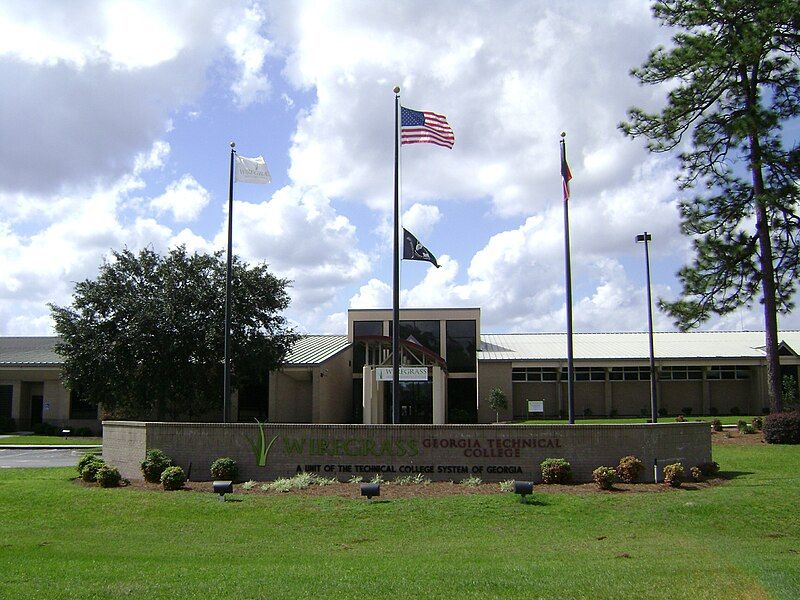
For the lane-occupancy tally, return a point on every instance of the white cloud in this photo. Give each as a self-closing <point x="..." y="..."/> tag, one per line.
<point x="184" y="198"/>
<point x="249" y="50"/>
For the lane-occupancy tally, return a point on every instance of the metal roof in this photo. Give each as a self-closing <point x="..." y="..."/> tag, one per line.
<point x="315" y="349"/>
<point x="631" y="346"/>
<point x="29" y="352"/>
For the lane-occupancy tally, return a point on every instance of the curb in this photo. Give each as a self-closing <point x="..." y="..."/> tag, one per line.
<point x="45" y="447"/>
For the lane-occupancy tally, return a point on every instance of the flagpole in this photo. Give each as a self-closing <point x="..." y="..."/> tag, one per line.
<point x="227" y="378"/>
<point x="570" y="357"/>
<point x="396" y="267"/>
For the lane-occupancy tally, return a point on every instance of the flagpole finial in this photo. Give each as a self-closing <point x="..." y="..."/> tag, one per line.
<point x="563" y="134"/>
<point x="233" y="144"/>
<point x="397" y="89"/>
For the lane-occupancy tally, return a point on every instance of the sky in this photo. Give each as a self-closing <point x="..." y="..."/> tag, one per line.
<point x="116" y="119"/>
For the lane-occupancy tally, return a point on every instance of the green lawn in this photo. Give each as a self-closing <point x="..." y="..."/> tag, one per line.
<point x="737" y="540"/>
<point x="726" y="420"/>
<point x="50" y="440"/>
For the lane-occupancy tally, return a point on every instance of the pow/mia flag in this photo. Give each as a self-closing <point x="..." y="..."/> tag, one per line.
<point x="414" y="250"/>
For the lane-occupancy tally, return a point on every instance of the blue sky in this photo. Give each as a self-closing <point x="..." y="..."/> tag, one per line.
<point x="116" y="130"/>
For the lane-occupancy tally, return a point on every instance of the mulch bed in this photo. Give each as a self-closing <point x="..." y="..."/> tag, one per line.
<point x="449" y="488"/>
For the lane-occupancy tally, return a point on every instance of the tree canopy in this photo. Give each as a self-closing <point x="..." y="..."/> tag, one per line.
<point x="145" y="338"/>
<point x="732" y="72"/>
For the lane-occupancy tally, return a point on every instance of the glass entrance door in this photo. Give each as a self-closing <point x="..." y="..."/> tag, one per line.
<point x="416" y="402"/>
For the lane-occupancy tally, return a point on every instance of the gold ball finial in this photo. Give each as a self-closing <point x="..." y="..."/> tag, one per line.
<point x="397" y="89"/>
<point x="233" y="144"/>
<point x="563" y="134"/>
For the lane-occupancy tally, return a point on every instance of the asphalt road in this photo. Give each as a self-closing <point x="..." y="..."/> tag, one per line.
<point x="23" y="458"/>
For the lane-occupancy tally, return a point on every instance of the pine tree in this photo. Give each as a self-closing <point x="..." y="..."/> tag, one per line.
<point x="733" y="72"/>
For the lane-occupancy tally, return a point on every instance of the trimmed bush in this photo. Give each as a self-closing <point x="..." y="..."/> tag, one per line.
<point x="85" y="459"/>
<point x="84" y="432"/>
<point x="587" y="412"/>
<point x="173" y="478"/>
<point x="7" y="425"/>
<point x="709" y="469"/>
<point x="741" y="425"/>
<point x="716" y="425"/>
<point x="748" y="429"/>
<point x="45" y="429"/>
<point x="735" y="411"/>
<point x="556" y="470"/>
<point x="154" y="464"/>
<point x="107" y="476"/>
<point x="604" y="477"/>
<point x="225" y="468"/>
<point x="713" y="411"/>
<point x="782" y="428"/>
<point x="662" y="412"/>
<point x="673" y="474"/>
<point x="630" y="469"/>
<point x="758" y="423"/>
<point x="90" y="469"/>
<point x="687" y="411"/>
<point x="697" y="474"/>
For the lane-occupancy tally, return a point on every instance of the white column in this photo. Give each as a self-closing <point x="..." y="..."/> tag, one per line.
<point x="439" y="389"/>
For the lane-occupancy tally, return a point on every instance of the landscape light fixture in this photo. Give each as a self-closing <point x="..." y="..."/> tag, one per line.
<point x="646" y="238"/>
<point x="370" y="489"/>
<point x="523" y="488"/>
<point x="222" y="488"/>
<point x="66" y="432"/>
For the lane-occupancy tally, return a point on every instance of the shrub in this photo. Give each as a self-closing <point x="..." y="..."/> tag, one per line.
<point x="614" y="413"/>
<point x="735" y="411"/>
<point x="643" y="412"/>
<point x="680" y="419"/>
<point x="107" y="476"/>
<point x="716" y="425"/>
<point x="758" y="423"/>
<point x="765" y="410"/>
<point x="604" y="477"/>
<point x="556" y="470"/>
<point x="355" y="479"/>
<point x="377" y="478"/>
<point x="630" y="469"/>
<point x="507" y="485"/>
<point x="673" y="474"/>
<point x="662" y="412"/>
<point x="7" y="425"/>
<point x="249" y="485"/>
<point x="173" y="478"/>
<point x="225" y="468"/>
<point x="748" y="429"/>
<point x="713" y="411"/>
<point x="45" y="429"/>
<point x="587" y="412"/>
<point x="687" y="411"/>
<point x="782" y="428"/>
<point x="418" y="479"/>
<point x="84" y="432"/>
<point x="471" y="481"/>
<point x="85" y="459"/>
<point x="90" y="468"/>
<point x="709" y="469"/>
<point x="697" y="474"/>
<point x="154" y="464"/>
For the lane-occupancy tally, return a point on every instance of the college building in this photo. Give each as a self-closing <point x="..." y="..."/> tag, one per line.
<point x="448" y="368"/>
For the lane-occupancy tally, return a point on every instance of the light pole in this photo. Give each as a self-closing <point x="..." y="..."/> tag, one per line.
<point x="646" y="238"/>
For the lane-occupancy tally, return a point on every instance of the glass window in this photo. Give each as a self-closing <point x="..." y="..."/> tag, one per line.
<point x="534" y="374"/>
<point x="590" y="374"/>
<point x="424" y="333"/>
<point x="629" y="374"/>
<point x="6" y="394"/>
<point x="359" y="349"/>
<point x="461" y="346"/>
<point x="681" y="373"/>
<point x="462" y="404"/>
<point x="729" y="372"/>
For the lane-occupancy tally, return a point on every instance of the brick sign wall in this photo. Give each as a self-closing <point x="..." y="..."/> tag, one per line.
<point x="439" y="452"/>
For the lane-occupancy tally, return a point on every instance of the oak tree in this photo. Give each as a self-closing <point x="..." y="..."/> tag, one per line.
<point x="145" y="337"/>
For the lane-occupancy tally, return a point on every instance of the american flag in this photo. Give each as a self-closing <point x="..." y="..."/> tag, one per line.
<point x="566" y="174"/>
<point x="424" y="127"/>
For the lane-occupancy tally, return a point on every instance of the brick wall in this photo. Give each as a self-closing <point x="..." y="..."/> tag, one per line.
<point x="441" y="452"/>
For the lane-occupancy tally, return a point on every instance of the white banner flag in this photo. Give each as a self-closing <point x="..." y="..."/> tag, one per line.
<point x="252" y="170"/>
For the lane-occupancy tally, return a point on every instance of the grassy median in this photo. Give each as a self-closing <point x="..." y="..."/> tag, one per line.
<point x="740" y="539"/>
